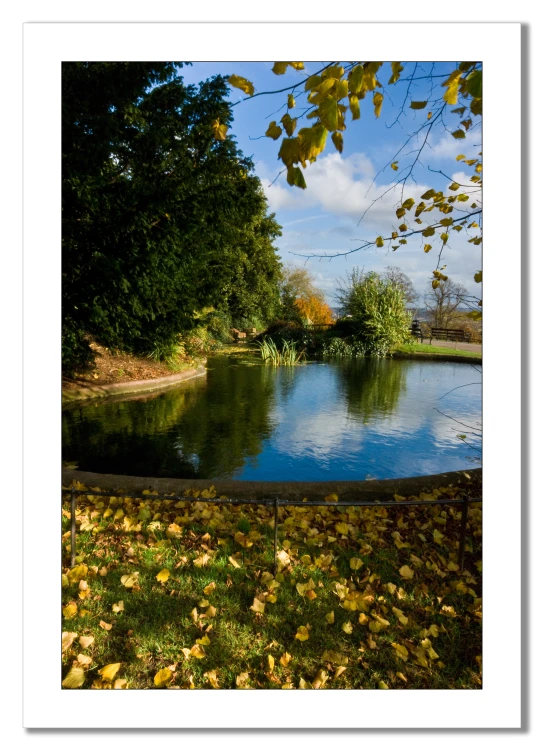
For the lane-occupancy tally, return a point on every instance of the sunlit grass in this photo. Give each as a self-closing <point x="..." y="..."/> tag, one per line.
<point x="160" y="620"/>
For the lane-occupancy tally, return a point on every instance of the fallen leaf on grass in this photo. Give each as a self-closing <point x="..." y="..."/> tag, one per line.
<point x="331" y="498"/>
<point x="401" y="651"/>
<point x="117" y="607"/>
<point x="242" y="680"/>
<point x="336" y="658"/>
<point x="285" y="659"/>
<point x="400" y="615"/>
<point x="355" y="564"/>
<point x="302" y="633"/>
<point x="120" y="683"/>
<point x="105" y="626"/>
<point x="163" y="575"/>
<point x="330" y="617"/>
<point x="204" y="641"/>
<point x="70" y="611"/>
<point x="198" y="652"/>
<point x="75" y="678"/>
<point x="108" y="672"/>
<point x="77" y="573"/>
<point x="202" y="560"/>
<point x="347" y="627"/>
<point x="258" y="606"/>
<point x="163" y="678"/>
<point x="67" y="639"/>
<point x="85" y="641"/>
<point x="383" y="684"/>
<point x="233" y="561"/>
<point x="406" y="572"/>
<point x="84" y="660"/>
<point x="321" y="677"/>
<point x="211" y="675"/>
<point x="129" y="580"/>
<point x="209" y="588"/>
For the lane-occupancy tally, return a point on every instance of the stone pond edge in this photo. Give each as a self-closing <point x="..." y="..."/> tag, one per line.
<point x="246" y="489"/>
<point x="130" y="387"/>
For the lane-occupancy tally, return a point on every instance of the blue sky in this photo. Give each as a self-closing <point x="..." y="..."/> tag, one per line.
<point x="326" y="217"/>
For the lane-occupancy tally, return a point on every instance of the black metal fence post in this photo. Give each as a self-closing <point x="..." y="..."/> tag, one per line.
<point x="73" y="529"/>
<point x="275" y="537"/>
<point x="462" y="539"/>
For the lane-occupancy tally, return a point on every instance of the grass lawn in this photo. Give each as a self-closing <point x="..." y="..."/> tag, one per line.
<point x="182" y="595"/>
<point x="428" y="348"/>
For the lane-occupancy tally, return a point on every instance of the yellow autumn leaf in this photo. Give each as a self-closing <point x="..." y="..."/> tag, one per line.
<point x="406" y="572"/>
<point x="202" y="560"/>
<point x="174" y="531"/>
<point x="70" y="611"/>
<point x="342" y="528"/>
<point x="271" y="663"/>
<point x="331" y="498"/>
<point x="198" y="652"/>
<point x="394" y="166"/>
<point x="75" y="678"/>
<point x="105" y="626"/>
<point x="401" y="650"/>
<point x="108" y="672"/>
<point x="118" y="607"/>
<point x="242" y="680"/>
<point x="427" y="248"/>
<point x="234" y="562"/>
<point x="163" y="575"/>
<point x="67" y="639"/>
<point x="347" y="627"/>
<point x="163" y="678"/>
<point x="328" y="113"/>
<point x="379" y="241"/>
<point x="209" y="588"/>
<point x="320" y="679"/>
<point x="273" y="131"/>
<point x="85" y="641"/>
<point x="77" y="573"/>
<point x="336" y="658"/>
<point x="377" y="101"/>
<point x="285" y="659"/>
<point x="330" y="617"/>
<point x="211" y="675"/>
<point x="220" y="134"/>
<point x="84" y="660"/>
<point x="355" y="564"/>
<point x="400" y="615"/>
<point x="383" y="685"/>
<point x="204" y="641"/>
<point x="338" y="141"/>
<point x="302" y="633"/>
<point x="396" y="70"/>
<point x="242" y="83"/>
<point x="478" y="277"/>
<point x="418" y="105"/>
<point x="258" y="606"/>
<point x="129" y="580"/>
<point x="120" y="683"/>
<point x="290" y="101"/>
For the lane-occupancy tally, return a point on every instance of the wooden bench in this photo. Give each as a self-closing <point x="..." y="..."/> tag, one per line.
<point x="450" y="335"/>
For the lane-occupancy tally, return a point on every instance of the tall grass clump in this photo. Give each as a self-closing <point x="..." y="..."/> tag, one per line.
<point x="287" y="355"/>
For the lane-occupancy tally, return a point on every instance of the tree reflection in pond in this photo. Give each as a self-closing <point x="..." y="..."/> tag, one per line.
<point x="372" y="386"/>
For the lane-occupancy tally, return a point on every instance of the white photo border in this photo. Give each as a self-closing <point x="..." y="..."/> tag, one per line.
<point x="498" y="703"/>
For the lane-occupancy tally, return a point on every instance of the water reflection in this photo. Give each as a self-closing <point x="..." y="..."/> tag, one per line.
<point x="337" y="420"/>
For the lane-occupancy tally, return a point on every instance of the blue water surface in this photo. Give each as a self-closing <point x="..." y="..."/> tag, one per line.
<point x="340" y="420"/>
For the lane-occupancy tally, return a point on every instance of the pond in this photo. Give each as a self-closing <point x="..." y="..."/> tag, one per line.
<point x="339" y="420"/>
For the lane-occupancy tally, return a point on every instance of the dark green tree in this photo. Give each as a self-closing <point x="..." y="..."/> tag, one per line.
<point x="156" y="207"/>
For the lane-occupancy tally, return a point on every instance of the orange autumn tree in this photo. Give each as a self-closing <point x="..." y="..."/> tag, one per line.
<point x="314" y="309"/>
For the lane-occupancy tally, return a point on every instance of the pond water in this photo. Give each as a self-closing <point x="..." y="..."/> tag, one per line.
<point x="339" y="420"/>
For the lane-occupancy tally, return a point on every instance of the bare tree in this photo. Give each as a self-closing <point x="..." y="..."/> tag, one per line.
<point x="442" y="302"/>
<point x="398" y="277"/>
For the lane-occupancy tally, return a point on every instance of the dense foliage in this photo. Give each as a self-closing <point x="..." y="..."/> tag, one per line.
<point x="377" y="309"/>
<point x="160" y="216"/>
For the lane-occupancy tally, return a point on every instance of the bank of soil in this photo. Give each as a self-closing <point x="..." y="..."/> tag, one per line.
<point x="115" y="367"/>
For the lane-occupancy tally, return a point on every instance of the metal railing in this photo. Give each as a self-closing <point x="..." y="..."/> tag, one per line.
<point x="276" y="503"/>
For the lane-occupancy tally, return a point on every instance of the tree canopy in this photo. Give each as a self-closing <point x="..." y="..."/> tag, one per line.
<point x="336" y="88"/>
<point x="160" y="215"/>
